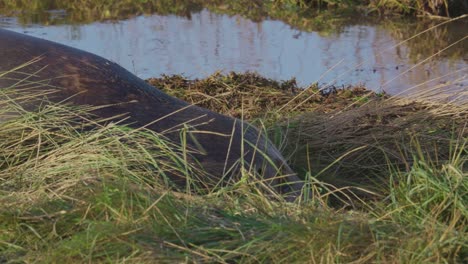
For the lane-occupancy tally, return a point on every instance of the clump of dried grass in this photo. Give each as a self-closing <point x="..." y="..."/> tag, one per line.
<point x="249" y="95"/>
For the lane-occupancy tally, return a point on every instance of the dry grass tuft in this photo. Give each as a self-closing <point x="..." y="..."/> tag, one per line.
<point x="249" y="95"/>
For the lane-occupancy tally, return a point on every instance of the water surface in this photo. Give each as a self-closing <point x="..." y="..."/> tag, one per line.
<point x="203" y="43"/>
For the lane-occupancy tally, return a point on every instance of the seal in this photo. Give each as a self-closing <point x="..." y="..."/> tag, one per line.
<point x="224" y="144"/>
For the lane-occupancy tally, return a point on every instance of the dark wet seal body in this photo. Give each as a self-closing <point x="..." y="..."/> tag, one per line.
<point x="86" y="79"/>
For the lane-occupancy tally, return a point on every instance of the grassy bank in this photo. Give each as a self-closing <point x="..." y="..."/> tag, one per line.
<point x="303" y="14"/>
<point x="388" y="179"/>
<point x="351" y="132"/>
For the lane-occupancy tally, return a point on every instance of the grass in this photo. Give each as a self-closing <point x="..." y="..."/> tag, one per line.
<point x="77" y="189"/>
<point x="251" y="96"/>
<point x="388" y="178"/>
<point x="317" y="15"/>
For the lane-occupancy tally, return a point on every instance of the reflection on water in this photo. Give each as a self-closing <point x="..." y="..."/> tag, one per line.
<point x="153" y="45"/>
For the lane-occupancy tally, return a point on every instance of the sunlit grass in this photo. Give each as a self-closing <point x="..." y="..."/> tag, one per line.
<point x="75" y="188"/>
<point x="387" y="179"/>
